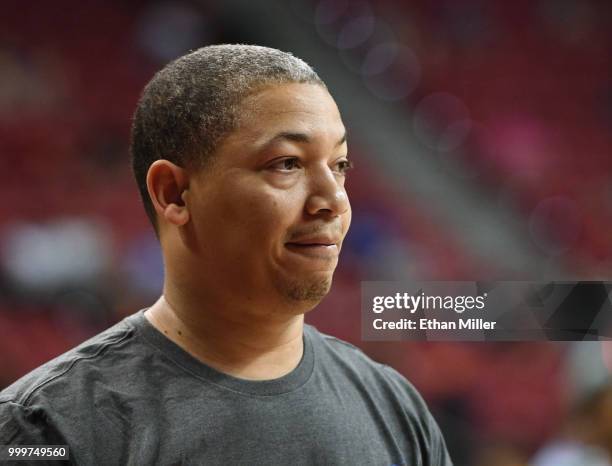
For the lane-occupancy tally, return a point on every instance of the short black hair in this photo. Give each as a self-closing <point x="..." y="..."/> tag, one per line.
<point x="192" y="103"/>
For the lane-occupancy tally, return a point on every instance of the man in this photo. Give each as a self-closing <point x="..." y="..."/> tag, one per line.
<point x="240" y="155"/>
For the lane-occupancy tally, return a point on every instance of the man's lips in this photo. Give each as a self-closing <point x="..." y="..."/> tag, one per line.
<point x="323" y="248"/>
<point x="316" y="240"/>
<point x="314" y="243"/>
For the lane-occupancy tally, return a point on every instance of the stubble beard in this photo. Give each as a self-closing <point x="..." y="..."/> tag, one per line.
<point x="306" y="291"/>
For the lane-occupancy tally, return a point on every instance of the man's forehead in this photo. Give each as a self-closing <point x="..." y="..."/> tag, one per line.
<point x="290" y="97"/>
<point x="302" y="113"/>
<point x="300" y="137"/>
<point x="296" y="134"/>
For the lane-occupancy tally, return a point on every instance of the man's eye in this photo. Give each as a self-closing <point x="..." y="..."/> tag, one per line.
<point x="344" y="166"/>
<point x="286" y="164"/>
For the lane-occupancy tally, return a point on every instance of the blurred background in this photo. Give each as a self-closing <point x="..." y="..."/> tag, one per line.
<point x="482" y="136"/>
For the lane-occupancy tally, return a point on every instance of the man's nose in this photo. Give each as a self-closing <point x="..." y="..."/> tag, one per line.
<point x="326" y="195"/>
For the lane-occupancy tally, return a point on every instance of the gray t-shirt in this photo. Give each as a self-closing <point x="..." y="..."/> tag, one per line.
<point x="131" y="396"/>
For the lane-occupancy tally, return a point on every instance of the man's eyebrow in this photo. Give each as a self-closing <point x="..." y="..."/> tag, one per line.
<point x="298" y="137"/>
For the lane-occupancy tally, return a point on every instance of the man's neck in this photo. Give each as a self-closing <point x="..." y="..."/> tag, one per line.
<point x="255" y="349"/>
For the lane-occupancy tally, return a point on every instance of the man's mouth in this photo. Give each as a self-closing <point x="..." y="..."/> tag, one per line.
<point x="315" y="248"/>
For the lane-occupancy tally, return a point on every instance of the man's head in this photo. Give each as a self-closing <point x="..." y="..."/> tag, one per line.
<point x="193" y="102"/>
<point x="239" y="153"/>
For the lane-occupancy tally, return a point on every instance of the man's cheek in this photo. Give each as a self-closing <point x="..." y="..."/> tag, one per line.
<point x="346" y="222"/>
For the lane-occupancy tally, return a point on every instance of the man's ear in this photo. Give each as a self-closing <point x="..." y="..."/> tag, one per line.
<point x="167" y="183"/>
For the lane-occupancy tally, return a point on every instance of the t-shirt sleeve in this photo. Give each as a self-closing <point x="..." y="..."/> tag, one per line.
<point x="434" y="451"/>
<point x="438" y="453"/>
<point x="22" y="425"/>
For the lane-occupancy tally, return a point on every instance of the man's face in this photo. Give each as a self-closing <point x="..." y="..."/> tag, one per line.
<point x="268" y="217"/>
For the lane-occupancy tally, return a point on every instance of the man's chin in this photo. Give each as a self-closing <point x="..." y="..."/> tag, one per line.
<point x="307" y="291"/>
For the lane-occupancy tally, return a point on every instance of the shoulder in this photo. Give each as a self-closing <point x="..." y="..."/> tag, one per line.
<point x="61" y="377"/>
<point x="341" y="363"/>
<point x="340" y="355"/>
